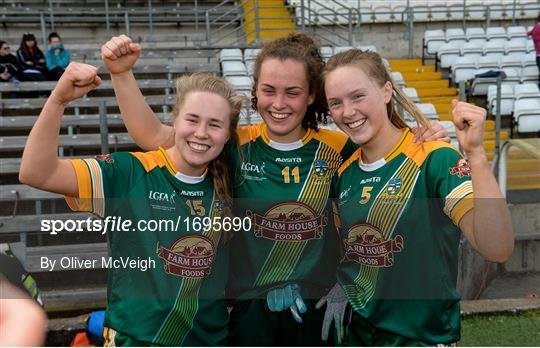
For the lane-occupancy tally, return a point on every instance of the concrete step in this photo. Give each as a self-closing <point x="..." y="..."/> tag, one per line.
<point x="442" y="108"/>
<point x="436" y="92"/>
<point x="523" y="181"/>
<point x="433" y="100"/>
<point x="396" y="63"/>
<point x="428" y="84"/>
<point x="412" y="76"/>
<point x="490" y="135"/>
<point x="414" y="68"/>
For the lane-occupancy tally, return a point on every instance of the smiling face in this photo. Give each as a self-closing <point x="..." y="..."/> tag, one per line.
<point x="201" y="131"/>
<point x="357" y="104"/>
<point x="283" y="97"/>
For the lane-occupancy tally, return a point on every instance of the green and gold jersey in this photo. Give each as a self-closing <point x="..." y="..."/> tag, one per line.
<point x="398" y="220"/>
<point x="179" y="298"/>
<point x="284" y="188"/>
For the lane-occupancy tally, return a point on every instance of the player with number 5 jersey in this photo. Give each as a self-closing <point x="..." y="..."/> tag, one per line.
<point x="401" y="208"/>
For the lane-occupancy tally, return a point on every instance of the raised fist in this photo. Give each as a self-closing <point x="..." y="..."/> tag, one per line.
<point x="469" y="121"/>
<point x="119" y="54"/>
<point x="77" y="80"/>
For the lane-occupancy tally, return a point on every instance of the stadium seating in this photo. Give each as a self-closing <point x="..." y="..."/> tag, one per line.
<point x="507" y="99"/>
<point x="527" y="115"/>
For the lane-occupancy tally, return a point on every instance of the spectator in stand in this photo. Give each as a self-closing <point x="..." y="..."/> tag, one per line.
<point x="535" y="34"/>
<point x="9" y="65"/>
<point x="57" y="57"/>
<point x="32" y="60"/>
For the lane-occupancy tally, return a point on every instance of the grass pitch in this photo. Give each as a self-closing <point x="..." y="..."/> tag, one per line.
<point x="520" y="329"/>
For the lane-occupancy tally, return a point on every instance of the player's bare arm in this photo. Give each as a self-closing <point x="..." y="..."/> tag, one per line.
<point x="488" y="226"/>
<point x="40" y="165"/>
<point x="119" y="55"/>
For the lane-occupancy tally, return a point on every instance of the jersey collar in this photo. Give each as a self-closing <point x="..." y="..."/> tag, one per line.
<point x="174" y="172"/>
<point x="286" y="146"/>
<point x="400" y="147"/>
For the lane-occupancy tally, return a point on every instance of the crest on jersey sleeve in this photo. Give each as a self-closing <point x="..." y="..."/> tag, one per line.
<point x="105" y="158"/>
<point x="461" y="169"/>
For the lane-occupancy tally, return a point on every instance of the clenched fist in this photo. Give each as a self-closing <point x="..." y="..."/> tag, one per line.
<point x="77" y="80"/>
<point x="119" y="54"/>
<point x="469" y="121"/>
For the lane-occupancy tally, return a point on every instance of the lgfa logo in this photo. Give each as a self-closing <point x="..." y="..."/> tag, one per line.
<point x="249" y="167"/>
<point x="162" y="197"/>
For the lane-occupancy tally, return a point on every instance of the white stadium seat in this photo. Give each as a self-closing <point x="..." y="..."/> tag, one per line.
<point x="528" y="59"/>
<point x="230" y="54"/>
<point x="240" y="83"/>
<point x="530" y="46"/>
<point x="476" y="34"/>
<point x="476" y="11"/>
<point x="494" y="48"/>
<point x="251" y="54"/>
<point x="486" y="63"/>
<point x="428" y="110"/>
<point x="412" y="94"/>
<point x="439" y="12"/>
<point x="473" y="49"/>
<point x="516" y="32"/>
<point x="507" y="99"/>
<point x="529" y="73"/>
<point x="526" y="90"/>
<point x="455" y="35"/>
<point x="398" y="79"/>
<point x="496" y="34"/>
<point x="234" y="68"/>
<point x="463" y="69"/>
<point x="516" y="47"/>
<point x="448" y="53"/>
<point x="510" y="61"/>
<point x="433" y="39"/>
<point x="527" y="115"/>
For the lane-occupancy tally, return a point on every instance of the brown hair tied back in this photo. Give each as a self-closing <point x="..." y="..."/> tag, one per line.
<point x="303" y="48"/>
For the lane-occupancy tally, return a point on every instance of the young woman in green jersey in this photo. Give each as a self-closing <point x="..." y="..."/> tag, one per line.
<point x="282" y="181"/>
<point x="177" y="298"/>
<point x="401" y="208"/>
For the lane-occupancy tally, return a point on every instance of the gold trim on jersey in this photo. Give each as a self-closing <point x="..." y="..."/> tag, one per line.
<point x="419" y="153"/>
<point x="90" y="185"/>
<point x="152" y="159"/>
<point x="398" y="148"/>
<point x="354" y="158"/>
<point x="459" y="202"/>
<point x="332" y="138"/>
<point x="285" y="255"/>
<point x="384" y="214"/>
<point x="180" y="319"/>
<point x="249" y="133"/>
